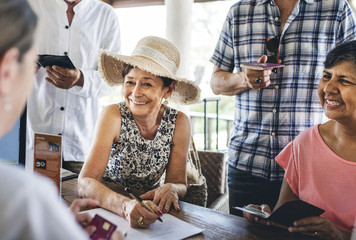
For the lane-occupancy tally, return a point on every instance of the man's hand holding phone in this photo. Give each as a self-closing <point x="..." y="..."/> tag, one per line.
<point x="61" y="71"/>
<point x="258" y="73"/>
<point x="64" y="78"/>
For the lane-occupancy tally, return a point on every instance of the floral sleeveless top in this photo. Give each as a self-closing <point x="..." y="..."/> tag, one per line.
<point x="137" y="162"/>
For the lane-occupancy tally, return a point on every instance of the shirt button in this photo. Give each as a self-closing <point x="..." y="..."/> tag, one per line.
<point x="276" y="87"/>
<point x="271" y="2"/>
<point x="276" y="19"/>
<point x="273" y="134"/>
<point x="65" y="53"/>
<point x="66" y="26"/>
<point x="62" y="108"/>
<point x="274" y="110"/>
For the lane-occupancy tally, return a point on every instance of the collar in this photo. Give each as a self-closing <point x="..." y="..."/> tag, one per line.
<point x="310" y="1"/>
<point x="259" y="2"/>
<point x="79" y="8"/>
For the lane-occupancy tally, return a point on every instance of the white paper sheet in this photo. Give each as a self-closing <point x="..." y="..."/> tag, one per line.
<point x="171" y="228"/>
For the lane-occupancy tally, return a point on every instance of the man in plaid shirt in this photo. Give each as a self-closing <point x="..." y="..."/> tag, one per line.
<point x="273" y="106"/>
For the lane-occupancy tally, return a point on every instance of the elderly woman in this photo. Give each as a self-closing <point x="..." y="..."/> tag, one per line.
<point x="320" y="164"/>
<point x="141" y="143"/>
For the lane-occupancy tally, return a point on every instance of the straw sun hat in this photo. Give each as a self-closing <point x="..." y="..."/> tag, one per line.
<point x="154" y="55"/>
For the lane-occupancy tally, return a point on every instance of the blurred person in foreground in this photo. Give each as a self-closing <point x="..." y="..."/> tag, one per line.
<point x="320" y="164"/>
<point x="29" y="205"/>
<point x="141" y="143"/>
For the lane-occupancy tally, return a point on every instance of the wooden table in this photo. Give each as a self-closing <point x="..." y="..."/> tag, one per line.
<point x="216" y="225"/>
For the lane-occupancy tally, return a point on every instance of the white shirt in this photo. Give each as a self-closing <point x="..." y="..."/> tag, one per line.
<point x="31" y="210"/>
<point x="94" y="26"/>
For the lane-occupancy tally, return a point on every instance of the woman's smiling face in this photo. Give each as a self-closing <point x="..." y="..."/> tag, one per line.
<point x="144" y="92"/>
<point x="337" y="92"/>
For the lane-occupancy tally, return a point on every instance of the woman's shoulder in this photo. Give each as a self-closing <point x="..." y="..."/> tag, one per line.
<point x="111" y="111"/>
<point x="182" y="116"/>
<point x="183" y="121"/>
<point x="112" y="108"/>
<point x="306" y="140"/>
<point x="308" y="134"/>
<point x="178" y="115"/>
<point x="23" y="181"/>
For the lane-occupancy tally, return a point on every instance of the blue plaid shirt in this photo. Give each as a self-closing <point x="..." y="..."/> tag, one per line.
<point x="268" y="119"/>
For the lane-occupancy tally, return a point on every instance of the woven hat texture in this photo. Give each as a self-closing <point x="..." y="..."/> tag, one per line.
<point x="154" y="55"/>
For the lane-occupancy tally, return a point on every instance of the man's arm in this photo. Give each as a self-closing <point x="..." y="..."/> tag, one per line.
<point x="227" y="83"/>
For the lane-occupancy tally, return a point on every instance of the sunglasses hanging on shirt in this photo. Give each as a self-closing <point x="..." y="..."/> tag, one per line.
<point x="272" y="46"/>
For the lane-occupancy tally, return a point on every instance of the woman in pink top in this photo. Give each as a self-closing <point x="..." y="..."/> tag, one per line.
<point x="320" y="164"/>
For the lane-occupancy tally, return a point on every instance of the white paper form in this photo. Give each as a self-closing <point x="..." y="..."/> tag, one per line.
<point x="171" y="228"/>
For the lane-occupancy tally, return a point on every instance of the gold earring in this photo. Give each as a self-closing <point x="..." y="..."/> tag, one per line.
<point x="165" y="102"/>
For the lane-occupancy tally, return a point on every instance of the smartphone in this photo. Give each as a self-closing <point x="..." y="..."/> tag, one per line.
<point x="287" y="213"/>
<point x="50" y="60"/>
<point x="253" y="211"/>
<point x="260" y="66"/>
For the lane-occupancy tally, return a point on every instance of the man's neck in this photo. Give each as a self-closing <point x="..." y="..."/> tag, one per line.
<point x="70" y="12"/>
<point x="285" y="8"/>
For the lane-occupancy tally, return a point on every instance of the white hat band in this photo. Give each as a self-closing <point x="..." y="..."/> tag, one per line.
<point x="156" y="56"/>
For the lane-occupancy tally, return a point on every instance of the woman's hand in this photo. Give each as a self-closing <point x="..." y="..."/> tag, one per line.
<point x="312" y="226"/>
<point x="318" y="227"/>
<point x="266" y="209"/>
<point x="164" y="197"/>
<point x="140" y="217"/>
<point x="251" y="217"/>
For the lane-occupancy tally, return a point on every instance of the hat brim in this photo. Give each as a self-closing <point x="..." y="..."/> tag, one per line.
<point x="111" y="66"/>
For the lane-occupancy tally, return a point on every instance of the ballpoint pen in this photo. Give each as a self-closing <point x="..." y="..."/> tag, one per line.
<point x="138" y="199"/>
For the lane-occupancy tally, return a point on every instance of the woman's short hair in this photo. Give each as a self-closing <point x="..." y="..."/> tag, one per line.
<point x="128" y="67"/>
<point x="17" y="26"/>
<point x="342" y="52"/>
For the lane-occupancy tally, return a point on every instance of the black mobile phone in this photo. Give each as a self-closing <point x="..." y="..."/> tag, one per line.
<point x="50" y="60"/>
